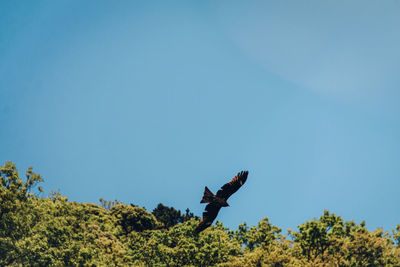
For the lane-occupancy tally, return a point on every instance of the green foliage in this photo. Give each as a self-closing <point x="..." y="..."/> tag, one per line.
<point x="396" y="235"/>
<point x="330" y="240"/>
<point x="17" y="214"/>
<point x="180" y="245"/>
<point x="264" y="234"/>
<point x="313" y="236"/>
<point x="130" y="218"/>
<point x="108" y="204"/>
<point x="53" y="231"/>
<point x="169" y="216"/>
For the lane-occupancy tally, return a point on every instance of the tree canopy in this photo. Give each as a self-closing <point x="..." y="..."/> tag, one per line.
<point x="53" y="231"/>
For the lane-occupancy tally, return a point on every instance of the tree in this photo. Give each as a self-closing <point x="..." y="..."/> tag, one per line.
<point x="169" y="216"/>
<point x="131" y="218"/>
<point x="181" y="246"/>
<point x="16" y="210"/>
<point x="53" y="231"/>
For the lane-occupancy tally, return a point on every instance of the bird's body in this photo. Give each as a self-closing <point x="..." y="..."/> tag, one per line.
<point x="209" y="197"/>
<point x="219" y="200"/>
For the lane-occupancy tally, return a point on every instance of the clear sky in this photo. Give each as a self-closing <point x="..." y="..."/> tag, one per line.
<point x="150" y="101"/>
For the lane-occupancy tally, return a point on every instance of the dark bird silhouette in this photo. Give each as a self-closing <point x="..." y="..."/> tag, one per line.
<point x="219" y="200"/>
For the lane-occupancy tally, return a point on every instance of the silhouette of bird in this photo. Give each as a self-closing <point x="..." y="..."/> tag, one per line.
<point x="219" y="200"/>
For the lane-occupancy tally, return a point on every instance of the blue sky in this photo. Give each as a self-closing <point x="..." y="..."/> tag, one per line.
<point x="148" y="102"/>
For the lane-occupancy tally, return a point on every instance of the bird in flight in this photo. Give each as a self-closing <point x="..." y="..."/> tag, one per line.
<point x="215" y="202"/>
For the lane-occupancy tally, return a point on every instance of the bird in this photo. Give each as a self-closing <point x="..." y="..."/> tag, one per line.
<point x="215" y="202"/>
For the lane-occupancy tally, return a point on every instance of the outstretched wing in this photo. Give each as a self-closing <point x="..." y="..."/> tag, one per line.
<point x="229" y="188"/>
<point x="209" y="216"/>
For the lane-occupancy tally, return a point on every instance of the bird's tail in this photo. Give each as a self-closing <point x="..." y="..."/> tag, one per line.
<point x="208" y="196"/>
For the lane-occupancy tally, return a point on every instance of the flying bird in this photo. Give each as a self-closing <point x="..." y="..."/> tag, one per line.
<point x="215" y="202"/>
